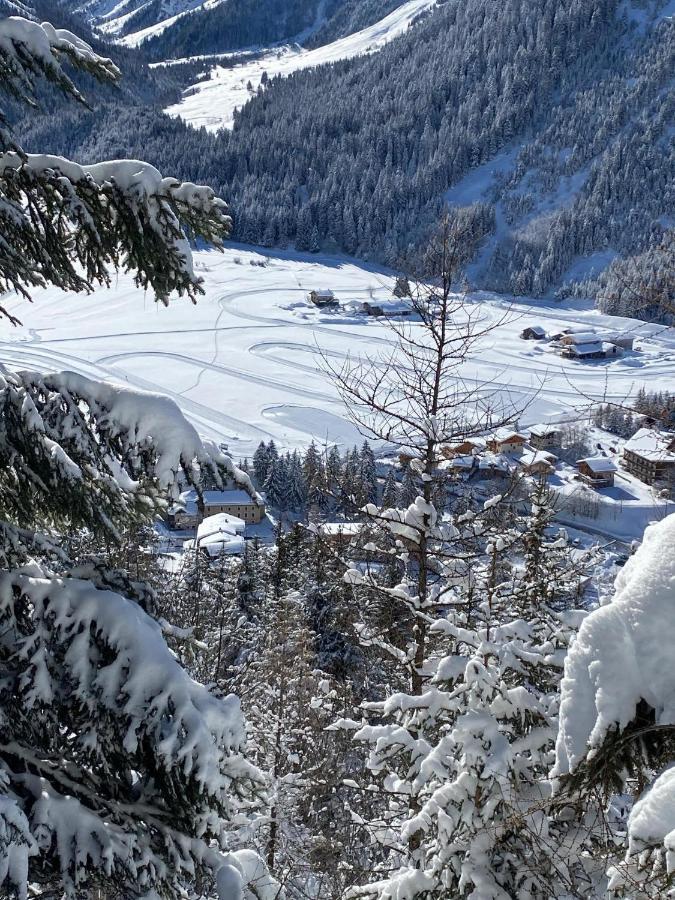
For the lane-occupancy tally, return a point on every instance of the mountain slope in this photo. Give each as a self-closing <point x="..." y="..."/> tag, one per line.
<point x="558" y="116"/>
<point x="547" y="129"/>
<point x="212" y="103"/>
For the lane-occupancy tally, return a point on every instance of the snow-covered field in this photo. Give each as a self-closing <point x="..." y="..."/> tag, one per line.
<point x="211" y="103"/>
<point x="244" y="362"/>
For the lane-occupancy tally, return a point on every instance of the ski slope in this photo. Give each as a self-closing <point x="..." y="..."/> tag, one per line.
<point x="211" y="103"/>
<point x="244" y="363"/>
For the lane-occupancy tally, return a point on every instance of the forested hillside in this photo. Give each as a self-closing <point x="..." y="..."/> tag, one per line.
<point x="180" y="28"/>
<point x="549" y="125"/>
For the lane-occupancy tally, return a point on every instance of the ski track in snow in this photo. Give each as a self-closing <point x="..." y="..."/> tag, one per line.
<point x="211" y="103"/>
<point x="245" y="364"/>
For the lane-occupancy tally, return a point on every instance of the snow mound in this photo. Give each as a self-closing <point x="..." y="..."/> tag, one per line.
<point x="624" y="653"/>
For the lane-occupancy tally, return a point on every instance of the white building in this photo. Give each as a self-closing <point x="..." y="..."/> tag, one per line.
<point x="219" y="534"/>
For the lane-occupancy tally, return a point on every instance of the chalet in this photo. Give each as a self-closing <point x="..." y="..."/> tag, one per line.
<point x="322" y="298"/>
<point x="650" y="455"/>
<point x="544" y="436"/>
<point x="597" y="471"/>
<point x="459" y="465"/>
<point x="463" y="448"/>
<point x="533" y="333"/>
<point x="236" y="503"/>
<point x="372" y="309"/>
<point x="506" y="440"/>
<point x="538" y="462"/>
<point x="494" y="465"/>
<point x="596" y="349"/>
<point x="184" y="515"/>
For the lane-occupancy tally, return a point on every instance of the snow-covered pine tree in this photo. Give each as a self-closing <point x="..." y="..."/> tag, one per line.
<point x="334" y="471"/>
<point x="368" y="474"/>
<point x="261" y="463"/>
<point x="103" y="780"/>
<point x="296" y="491"/>
<point x="118" y="772"/>
<point x="407" y="491"/>
<point x="472" y="750"/>
<point x="276" y="483"/>
<point x="390" y="491"/>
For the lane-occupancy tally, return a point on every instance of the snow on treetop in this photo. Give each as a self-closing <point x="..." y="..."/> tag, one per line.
<point x="624" y="653"/>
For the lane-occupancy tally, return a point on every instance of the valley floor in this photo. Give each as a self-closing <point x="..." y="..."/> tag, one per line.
<point x="244" y="363"/>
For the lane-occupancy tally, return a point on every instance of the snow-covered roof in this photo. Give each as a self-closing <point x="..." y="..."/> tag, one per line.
<point x="324" y="293"/>
<point x="599" y="464"/>
<point x="586" y="349"/>
<point x="652" y="445"/>
<point x="532" y="457"/>
<point x="494" y="461"/>
<point x="221" y="523"/>
<point x="543" y="430"/>
<point x="506" y="434"/>
<point x="582" y="337"/>
<point x="217" y="543"/>
<point x="346" y="528"/>
<point x="235" y="496"/>
<point x="460" y="462"/>
<point x="536" y="329"/>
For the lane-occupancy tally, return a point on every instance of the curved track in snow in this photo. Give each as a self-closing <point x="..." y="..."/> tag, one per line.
<point x="244" y="363"/>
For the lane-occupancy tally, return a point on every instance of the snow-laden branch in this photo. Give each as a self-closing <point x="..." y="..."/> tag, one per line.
<point x="137" y="736"/>
<point x="66" y="224"/>
<point x="29" y="48"/>
<point x="95" y="454"/>
<point x="623" y="654"/>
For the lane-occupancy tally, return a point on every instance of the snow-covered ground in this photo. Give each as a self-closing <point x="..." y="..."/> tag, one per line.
<point x="211" y="103"/>
<point x="244" y="362"/>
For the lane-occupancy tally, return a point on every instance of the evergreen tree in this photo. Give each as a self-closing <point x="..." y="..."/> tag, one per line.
<point x="261" y="462"/>
<point x="119" y="773"/>
<point x="368" y="474"/>
<point x="408" y="491"/>
<point x="277" y="483"/>
<point x="390" y="491"/>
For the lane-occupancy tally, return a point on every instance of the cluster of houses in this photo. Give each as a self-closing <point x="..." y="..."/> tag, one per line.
<point x="498" y="454"/>
<point x="649" y="455"/>
<point x="582" y="343"/>
<point x="326" y="299"/>
<point x="220" y="519"/>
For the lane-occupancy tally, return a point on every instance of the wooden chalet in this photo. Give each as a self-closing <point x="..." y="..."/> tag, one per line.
<point x="542" y="437"/>
<point x="597" y="471"/>
<point x="650" y="456"/>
